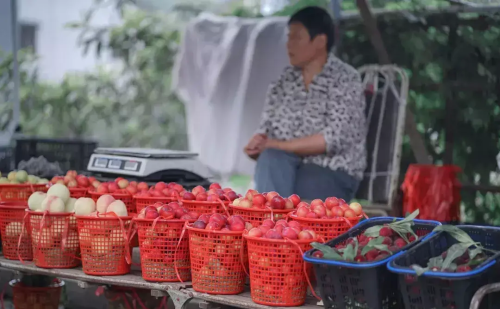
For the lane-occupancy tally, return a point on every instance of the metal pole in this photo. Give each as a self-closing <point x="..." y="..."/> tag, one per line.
<point x="337" y="15"/>
<point x="15" y="67"/>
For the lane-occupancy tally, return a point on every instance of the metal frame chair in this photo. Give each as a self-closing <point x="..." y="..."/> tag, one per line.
<point x="386" y="92"/>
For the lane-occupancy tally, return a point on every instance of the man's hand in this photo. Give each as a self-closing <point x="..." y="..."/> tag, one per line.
<point x="255" y="146"/>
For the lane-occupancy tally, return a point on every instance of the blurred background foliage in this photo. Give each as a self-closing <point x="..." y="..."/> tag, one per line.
<point x="449" y="57"/>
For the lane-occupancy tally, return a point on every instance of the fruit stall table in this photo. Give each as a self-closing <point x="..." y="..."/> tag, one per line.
<point x="179" y="291"/>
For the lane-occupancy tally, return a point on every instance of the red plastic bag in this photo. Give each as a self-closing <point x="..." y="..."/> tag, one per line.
<point x="434" y="190"/>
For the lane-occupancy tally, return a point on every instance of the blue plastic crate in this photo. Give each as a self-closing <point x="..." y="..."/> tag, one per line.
<point x="436" y="289"/>
<point x="362" y="285"/>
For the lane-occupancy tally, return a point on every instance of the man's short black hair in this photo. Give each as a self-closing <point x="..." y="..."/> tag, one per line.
<point x="317" y="21"/>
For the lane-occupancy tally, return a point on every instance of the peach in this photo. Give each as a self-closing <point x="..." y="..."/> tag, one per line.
<point x="289" y="204"/>
<point x="35" y="200"/>
<point x="70" y="205"/>
<point x="356" y="207"/>
<point x="302" y="211"/>
<point x="331" y="202"/>
<point x="255" y="232"/>
<point x="349" y="213"/>
<point x="271" y="195"/>
<point x="123" y="183"/>
<point x="14" y="229"/>
<point x="82" y="181"/>
<point x="103" y="202"/>
<point x="72" y="184"/>
<point x="113" y="187"/>
<point x="53" y="204"/>
<point x="316" y="202"/>
<point x="60" y="191"/>
<point x="96" y="184"/>
<point x="295" y="199"/>
<point x="142" y="186"/>
<point x="303" y="235"/>
<point x="258" y="199"/>
<point x="318" y="209"/>
<point x="102" y="188"/>
<point x="246" y="203"/>
<point x="84" y="206"/>
<point x="119" y="208"/>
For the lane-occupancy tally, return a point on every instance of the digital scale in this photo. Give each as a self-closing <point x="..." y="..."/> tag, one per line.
<point x="149" y="165"/>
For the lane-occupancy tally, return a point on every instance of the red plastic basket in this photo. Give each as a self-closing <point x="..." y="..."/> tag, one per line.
<point x="163" y="253"/>
<point x="18" y="192"/>
<point x="327" y="229"/>
<point x="255" y="216"/>
<point x="216" y="261"/>
<point x="104" y="243"/>
<point x="277" y="274"/>
<point x="11" y="227"/>
<point x="127" y="199"/>
<point x="141" y="202"/>
<point x="54" y="239"/>
<point x="32" y="297"/>
<point x="79" y="192"/>
<point x="203" y="207"/>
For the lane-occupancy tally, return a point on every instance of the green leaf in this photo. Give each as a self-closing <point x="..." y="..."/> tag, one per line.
<point x="328" y="252"/>
<point x="349" y="253"/>
<point x="409" y="218"/>
<point x="435" y="262"/>
<point x="456" y="233"/>
<point x="383" y="248"/>
<point x="455" y="251"/>
<point x="373" y="231"/>
<point x="371" y="244"/>
<point x="474" y="252"/>
<point x="419" y="270"/>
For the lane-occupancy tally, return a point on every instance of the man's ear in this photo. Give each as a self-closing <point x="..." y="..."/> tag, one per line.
<point x="320" y="41"/>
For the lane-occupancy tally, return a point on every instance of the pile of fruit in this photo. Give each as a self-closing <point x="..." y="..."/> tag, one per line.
<point x="73" y="180"/>
<point x="56" y="200"/>
<point x="121" y="186"/>
<point x="332" y="207"/>
<point x="170" y="211"/>
<point x="282" y="230"/>
<point x="266" y="200"/>
<point x="374" y="244"/>
<point x="214" y="194"/>
<point x="218" y="222"/>
<point x="21" y="177"/>
<point x="160" y="189"/>
<point x="461" y="257"/>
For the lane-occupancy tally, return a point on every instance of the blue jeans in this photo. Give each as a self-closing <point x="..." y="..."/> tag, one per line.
<point x="285" y="173"/>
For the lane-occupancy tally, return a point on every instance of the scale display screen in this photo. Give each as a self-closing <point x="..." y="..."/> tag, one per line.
<point x="101" y="162"/>
<point x="131" y="166"/>
<point x="115" y="164"/>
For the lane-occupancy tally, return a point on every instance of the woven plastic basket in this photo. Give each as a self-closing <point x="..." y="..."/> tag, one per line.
<point x="54" y="239"/>
<point x="277" y="271"/>
<point x="255" y="216"/>
<point x="11" y="228"/>
<point x="216" y="261"/>
<point x="32" y="297"/>
<point x="164" y="254"/>
<point x="142" y="202"/>
<point x="104" y="244"/>
<point x="203" y="207"/>
<point x="327" y="228"/>
<point x="18" y="192"/>
<point x="79" y="192"/>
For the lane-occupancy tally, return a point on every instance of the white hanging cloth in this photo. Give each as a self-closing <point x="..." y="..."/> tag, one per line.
<point x="222" y="73"/>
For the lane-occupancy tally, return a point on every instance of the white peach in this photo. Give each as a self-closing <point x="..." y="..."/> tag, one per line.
<point x="53" y="204"/>
<point x="35" y="200"/>
<point x="60" y="191"/>
<point x="119" y="208"/>
<point x="103" y="203"/>
<point x="84" y="206"/>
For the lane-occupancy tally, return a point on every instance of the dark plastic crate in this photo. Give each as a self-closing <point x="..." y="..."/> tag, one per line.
<point x="442" y="290"/>
<point x="6" y="159"/>
<point x="71" y="154"/>
<point x="362" y="285"/>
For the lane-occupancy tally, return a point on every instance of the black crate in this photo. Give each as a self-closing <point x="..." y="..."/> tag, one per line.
<point x="362" y="285"/>
<point x="6" y="160"/>
<point x="71" y="154"/>
<point x="442" y="290"/>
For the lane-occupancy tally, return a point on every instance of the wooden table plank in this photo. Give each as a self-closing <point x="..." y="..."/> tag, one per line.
<point x="244" y="300"/>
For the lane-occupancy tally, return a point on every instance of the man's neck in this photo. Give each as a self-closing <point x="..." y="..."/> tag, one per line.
<point x="313" y="68"/>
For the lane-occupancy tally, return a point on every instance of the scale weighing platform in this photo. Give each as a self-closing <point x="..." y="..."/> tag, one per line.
<point x="149" y="165"/>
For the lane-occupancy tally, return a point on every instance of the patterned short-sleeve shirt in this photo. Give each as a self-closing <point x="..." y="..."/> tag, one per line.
<point x="333" y="106"/>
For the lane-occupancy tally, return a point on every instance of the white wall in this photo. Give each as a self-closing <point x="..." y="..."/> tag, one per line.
<point x="56" y="45"/>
